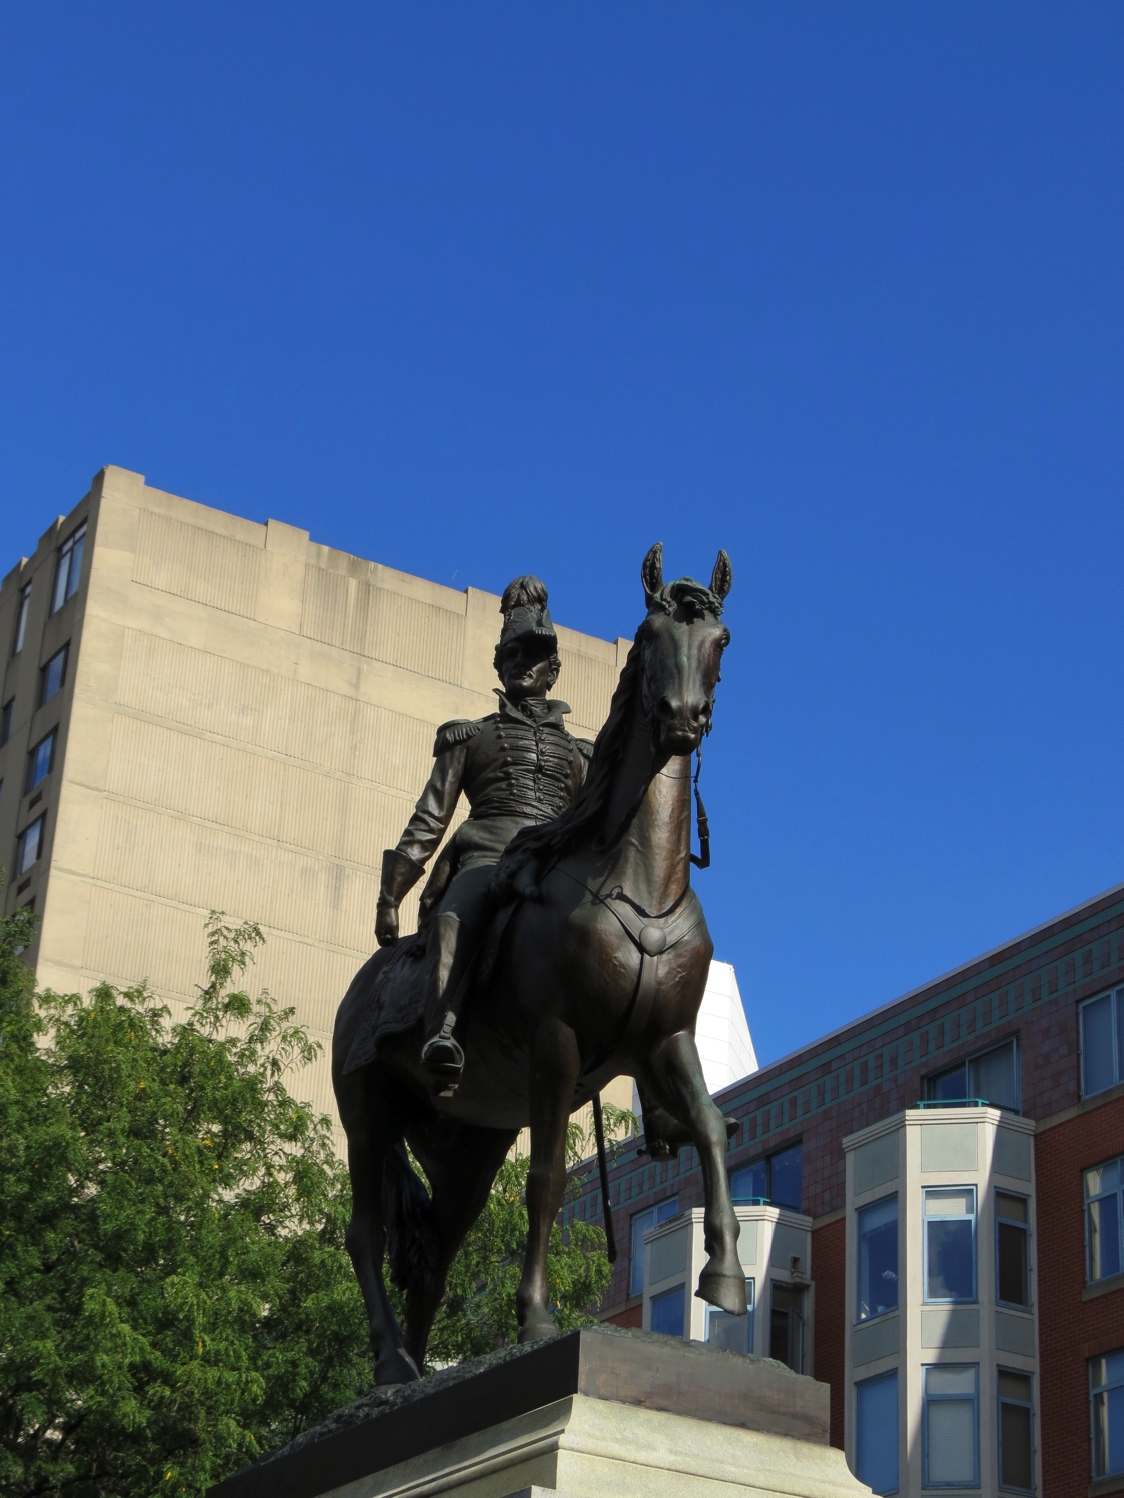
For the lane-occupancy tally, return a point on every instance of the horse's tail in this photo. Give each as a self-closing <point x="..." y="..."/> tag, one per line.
<point x="413" y="1241"/>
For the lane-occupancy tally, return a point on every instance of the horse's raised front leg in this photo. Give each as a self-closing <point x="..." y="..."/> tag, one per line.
<point x="555" y="1063"/>
<point x="675" y="1075"/>
<point x="368" y="1145"/>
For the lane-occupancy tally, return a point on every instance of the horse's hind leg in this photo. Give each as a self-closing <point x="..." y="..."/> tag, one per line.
<point x="555" y="1062"/>
<point x="675" y="1074"/>
<point x="461" y="1170"/>
<point x="369" y="1140"/>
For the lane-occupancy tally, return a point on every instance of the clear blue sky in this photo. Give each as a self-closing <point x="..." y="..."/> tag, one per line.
<point x="479" y="289"/>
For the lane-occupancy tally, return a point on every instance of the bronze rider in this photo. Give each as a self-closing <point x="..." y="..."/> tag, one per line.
<point x="518" y="766"/>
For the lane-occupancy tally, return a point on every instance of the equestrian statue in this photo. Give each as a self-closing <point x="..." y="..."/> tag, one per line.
<point x="560" y="945"/>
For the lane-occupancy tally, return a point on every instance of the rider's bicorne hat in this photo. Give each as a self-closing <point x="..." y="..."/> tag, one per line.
<point x="525" y="615"/>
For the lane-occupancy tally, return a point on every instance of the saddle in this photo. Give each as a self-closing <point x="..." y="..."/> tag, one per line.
<point x="396" y="996"/>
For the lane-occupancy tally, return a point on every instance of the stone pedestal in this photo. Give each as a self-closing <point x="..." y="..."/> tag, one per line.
<point x="597" y="1413"/>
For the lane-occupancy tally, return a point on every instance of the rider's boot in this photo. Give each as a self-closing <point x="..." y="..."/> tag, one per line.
<point x="447" y="960"/>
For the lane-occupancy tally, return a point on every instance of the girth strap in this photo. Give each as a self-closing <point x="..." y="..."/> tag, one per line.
<point x="651" y="935"/>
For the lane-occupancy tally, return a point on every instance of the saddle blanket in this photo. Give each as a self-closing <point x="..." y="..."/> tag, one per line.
<point x="393" y="1000"/>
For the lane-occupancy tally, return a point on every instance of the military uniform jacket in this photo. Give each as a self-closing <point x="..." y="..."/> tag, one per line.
<point x="518" y="766"/>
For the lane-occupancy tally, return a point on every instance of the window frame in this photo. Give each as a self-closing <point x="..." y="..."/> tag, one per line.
<point x="1000" y="1401"/>
<point x="966" y="1062"/>
<point x="748" y="1318"/>
<point x="1118" y="1193"/>
<point x="767" y="1162"/>
<point x="7" y="713"/>
<point x="801" y="1293"/>
<point x="1094" y="1390"/>
<point x="1115" y="997"/>
<point x="665" y="1295"/>
<point x="21" y="867"/>
<point x="861" y="1320"/>
<point x="635" y="1258"/>
<point x="22" y="609"/>
<point x="925" y="1220"/>
<point x="926" y="1400"/>
<point x="863" y="1383"/>
<point x="64" y="651"/>
<point x="1025" y="1229"/>
<point x="53" y="736"/>
<point x="67" y="576"/>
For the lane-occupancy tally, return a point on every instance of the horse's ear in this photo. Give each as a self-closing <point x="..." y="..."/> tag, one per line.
<point x="651" y="572"/>
<point x="722" y="576"/>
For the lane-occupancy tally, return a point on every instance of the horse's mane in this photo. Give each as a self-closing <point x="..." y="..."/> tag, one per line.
<point x="583" y="823"/>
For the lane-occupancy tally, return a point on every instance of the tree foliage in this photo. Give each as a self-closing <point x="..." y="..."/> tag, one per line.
<point x="175" y="1297"/>
<point x="478" y="1313"/>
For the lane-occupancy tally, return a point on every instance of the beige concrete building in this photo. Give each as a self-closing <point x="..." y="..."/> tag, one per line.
<point x="199" y="711"/>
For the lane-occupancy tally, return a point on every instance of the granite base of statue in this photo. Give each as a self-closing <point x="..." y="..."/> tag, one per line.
<point x="596" y="1413"/>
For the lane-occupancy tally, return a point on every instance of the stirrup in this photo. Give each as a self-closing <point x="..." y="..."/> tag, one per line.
<point x="443" y="1059"/>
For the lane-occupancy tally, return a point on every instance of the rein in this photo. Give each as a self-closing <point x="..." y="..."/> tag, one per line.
<point x="701" y="821"/>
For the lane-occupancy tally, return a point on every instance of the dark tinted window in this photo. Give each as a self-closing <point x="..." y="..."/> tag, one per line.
<point x="786" y="1178"/>
<point x="21" y="618"/>
<point x="40" y="762"/>
<point x="68" y="572"/>
<point x="52" y="675"/>
<point x="778" y="1178"/>
<point x="1012" y="1248"/>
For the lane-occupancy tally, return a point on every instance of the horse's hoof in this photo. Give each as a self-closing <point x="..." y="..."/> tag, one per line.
<point x="726" y="1291"/>
<point x="537" y="1328"/>
<point x="396" y="1367"/>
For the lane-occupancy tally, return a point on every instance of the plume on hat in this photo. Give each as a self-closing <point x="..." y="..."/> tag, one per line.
<point x="525" y="613"/>
<point x="523" y="592"/>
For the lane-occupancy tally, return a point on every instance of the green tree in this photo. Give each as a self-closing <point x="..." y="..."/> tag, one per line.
<point x="175" y="1297"/>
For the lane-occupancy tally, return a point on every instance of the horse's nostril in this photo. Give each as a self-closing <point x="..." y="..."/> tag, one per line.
<point x="664" y="708"/>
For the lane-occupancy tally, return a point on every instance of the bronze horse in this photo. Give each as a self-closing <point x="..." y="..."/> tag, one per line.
<point x="600" y="971"/>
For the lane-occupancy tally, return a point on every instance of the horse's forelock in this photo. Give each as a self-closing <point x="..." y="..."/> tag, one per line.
<point x="685" y="591"/>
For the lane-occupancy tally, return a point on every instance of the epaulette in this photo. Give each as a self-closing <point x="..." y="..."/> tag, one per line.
<point x="458" y="731"/>
<point x="585" y="747"/>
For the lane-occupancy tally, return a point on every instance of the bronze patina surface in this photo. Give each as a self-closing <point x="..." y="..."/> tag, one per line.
<point x="599" y="972"/>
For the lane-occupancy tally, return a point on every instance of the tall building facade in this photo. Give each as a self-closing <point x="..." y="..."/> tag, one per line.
<point x="932" y="1208"/>
<point x="200" y="711"/>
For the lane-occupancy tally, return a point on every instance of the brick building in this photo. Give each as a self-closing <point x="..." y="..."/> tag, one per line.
<point x="957" y="1158"/>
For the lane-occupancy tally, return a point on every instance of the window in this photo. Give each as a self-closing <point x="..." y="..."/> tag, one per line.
<point x="786" y="1326"/>
<point x="1102" y="1043"/>
<point x="1104" y="1220"/>
<point x="878" y="1259"/>
<point x="952" y="1426"/>
<point x="950" y="1244"/>
<point x="991" y="1076"/>
<point x="667" y="1312"/>
<point x="21" y="618"/>
<point x="52" y="675"/>
<point x="29" y="845"/>
<point x="68" y="573"/>
<point x="6" y="720"/>
<point x="751" y="1183"/>
<point x="1012" y="1249"/>
<point x="778" y="1179"/>
<point x="1016" y="1432"/>
<point x="876" y="1433"/>
<point x="1106" y="1391"/>
<point x="40" y="761"/>
<point x="732" y="1333"/>
<point x="641" y="1222"/>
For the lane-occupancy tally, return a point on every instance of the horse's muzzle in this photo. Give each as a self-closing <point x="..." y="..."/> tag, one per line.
<point x="682" y="727"/>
